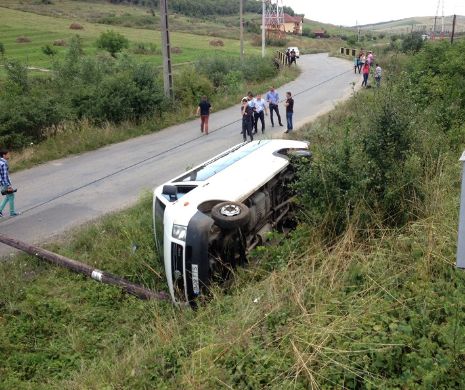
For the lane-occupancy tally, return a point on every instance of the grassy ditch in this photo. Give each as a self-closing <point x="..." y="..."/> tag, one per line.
<point x="364" y="294"/>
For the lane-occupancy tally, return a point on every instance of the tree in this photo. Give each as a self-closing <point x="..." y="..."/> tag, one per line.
<point x="412" y="43"/>
<point x="112" y="42"/>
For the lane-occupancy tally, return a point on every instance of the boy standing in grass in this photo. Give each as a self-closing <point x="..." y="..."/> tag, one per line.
<point x="5" y="183"/>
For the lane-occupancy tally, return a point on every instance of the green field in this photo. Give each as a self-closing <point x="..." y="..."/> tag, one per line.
<point x="44" y="30"/>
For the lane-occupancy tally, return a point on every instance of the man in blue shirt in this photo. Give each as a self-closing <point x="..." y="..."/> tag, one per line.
<point x="272" y="98"/>
<point x="5" y="183"/>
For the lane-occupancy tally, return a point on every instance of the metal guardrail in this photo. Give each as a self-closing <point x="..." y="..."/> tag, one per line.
<point x="348" y="51"/>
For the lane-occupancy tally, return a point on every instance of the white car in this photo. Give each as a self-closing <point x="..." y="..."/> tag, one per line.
<point x="296" y="49"/>
<point x="207" y="219"/>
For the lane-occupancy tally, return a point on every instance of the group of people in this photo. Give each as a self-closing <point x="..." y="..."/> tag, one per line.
<point x="254" y="109"/>
<point x="365" y="64"/>
<point x="291" y="57"/>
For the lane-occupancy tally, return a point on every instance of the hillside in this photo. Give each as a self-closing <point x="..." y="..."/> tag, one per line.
<point x="422" y="24"/>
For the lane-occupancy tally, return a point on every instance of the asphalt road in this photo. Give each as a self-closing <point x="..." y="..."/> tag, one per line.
<point x="62" y="194"/>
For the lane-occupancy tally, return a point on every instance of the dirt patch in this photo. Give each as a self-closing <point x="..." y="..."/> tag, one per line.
<point x="76" y="26"/>
<point x="59" y="42"/>
<point x="23" y="39"/>
<point x="216" y="42"/>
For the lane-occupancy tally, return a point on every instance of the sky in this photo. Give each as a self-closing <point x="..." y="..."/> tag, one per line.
<point x="351" y="13"/>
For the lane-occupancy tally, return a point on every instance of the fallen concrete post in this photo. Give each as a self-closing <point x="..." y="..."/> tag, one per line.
<point x="81" y="268"/>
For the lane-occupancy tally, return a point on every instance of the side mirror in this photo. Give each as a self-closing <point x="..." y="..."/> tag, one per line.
<point x="171" y="191"/>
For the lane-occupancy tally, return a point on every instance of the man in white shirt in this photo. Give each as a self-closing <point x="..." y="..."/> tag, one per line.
<point x="260" y="111"/>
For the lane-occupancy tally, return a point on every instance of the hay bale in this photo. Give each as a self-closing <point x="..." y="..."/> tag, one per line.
<point x="176" y="50"/>
<point x="23" y="39"/>
<point x="216" y="42"/>
<point x="59" y="42"/>
<point x="76" y="26"/>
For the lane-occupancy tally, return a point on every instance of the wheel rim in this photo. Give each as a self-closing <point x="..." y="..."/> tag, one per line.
<point x="230" y="210"/>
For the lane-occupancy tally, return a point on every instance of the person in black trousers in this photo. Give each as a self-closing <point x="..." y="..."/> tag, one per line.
<point x="272" y="98"/>
<point x="247" y="120"/>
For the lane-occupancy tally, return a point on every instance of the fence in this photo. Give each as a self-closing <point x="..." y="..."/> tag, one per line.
<point x="281" y="57"/>
<point x="348" y="52"/>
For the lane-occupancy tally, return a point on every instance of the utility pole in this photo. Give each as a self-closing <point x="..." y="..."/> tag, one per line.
<point x="263" y="28"/>
<point x="166" y="49"/>
<point x="453" y="29"/>
<point x="241" y="27"/>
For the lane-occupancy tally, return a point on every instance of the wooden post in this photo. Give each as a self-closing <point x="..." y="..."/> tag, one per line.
<point x="241" y="28"/>
<point x="84" y="269"/>
<point x="453" y="29"/>
<point x="166" y="50"/>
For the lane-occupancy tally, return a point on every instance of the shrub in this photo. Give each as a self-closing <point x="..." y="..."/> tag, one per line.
<point x="190" y="86"/>
<point x="17" y="77"/>
<point x="412" y="43"/>
<point x="144" y="48"/>
<point x="112" y="42"/>
<point x="369" y="167"/>
<point x="257" y="68"/>
<point x="2" y="49"/>
<point x="24" y="117"/>
<point x="233" y="81"/>
<point x="48" y="51"/>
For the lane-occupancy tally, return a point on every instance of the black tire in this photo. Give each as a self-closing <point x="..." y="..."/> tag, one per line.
<point x="230" y="215"/>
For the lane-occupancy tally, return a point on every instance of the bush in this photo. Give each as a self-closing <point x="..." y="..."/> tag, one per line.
<point x="112" y="42"/>
<point x="412" y="43"/>
<point x="369" y="168"/>
<point x="49" y="51"/>
<point x="144" y="48"/>
<point x="24" y="117"/>
<point x="17" y="77"/>
<point x="190" y="86"/>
